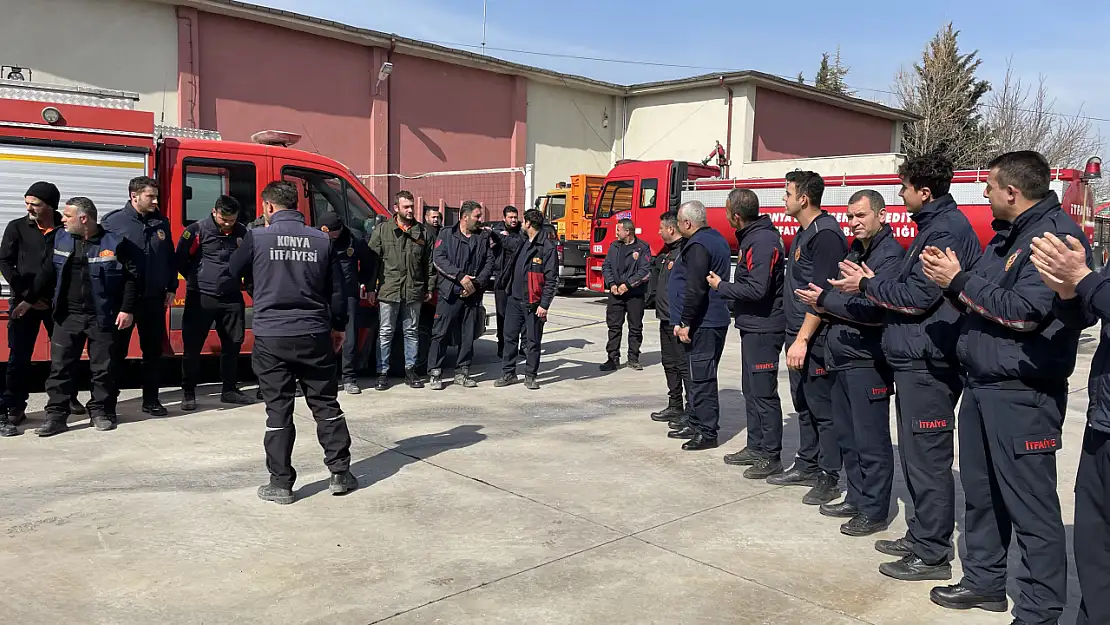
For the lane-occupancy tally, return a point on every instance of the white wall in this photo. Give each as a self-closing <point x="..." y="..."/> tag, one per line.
<point x="129" y="45"/>
<point x="566" y="133"/>
<point x="685" y="125"/>
<point x="828" y="166"/>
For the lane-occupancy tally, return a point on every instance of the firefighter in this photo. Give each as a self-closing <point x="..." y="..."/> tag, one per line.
<point x="26" y="240"/>
<point x="626" y="271"/>
<point x="1082" y="299"/>
<point x="507" y="239"/>
<point x="300" y="311"/>
<point x="463" y="257"/>
<point x="140" y="222"/>
<point x="433" y="221"/>
<point x="700" y="317"/>
<point x="1017" y="358"/>
<point x="814" y="253"/>
<point x="95" y="276"/>
<point x="673" y="354"/>
<point x="919" y="343"/>
<point x="531" y="288"/>
<point x="212" y="296"/>
<point x="359" y="269"/>
<point x="862" y="380"/>
<point x="756" y="296"/>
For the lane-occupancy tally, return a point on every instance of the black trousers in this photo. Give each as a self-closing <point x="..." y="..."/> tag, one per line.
<point x="1092" y="527"/>
<point x="703" y="354"/>
<point x="348" y="362"/>
<point x="861" y="414"/>
<point x="1008" y="443"/>
<point x="449" y="314"/>
<point x="675" y="365"/>
<point x="280" y="363"/>
<point x="617" y="309"/>
<point x="150" y="319"/>
<point x="501" y="303"/>
<point x="201" y="312"/>
<point x="523" y="328"/>
<point x="759" y="359"/>
<point x="926" y="408"/>
<point x="66" y="346"/>
<point x="811" y="391"/>
<point x="23" y="333"/>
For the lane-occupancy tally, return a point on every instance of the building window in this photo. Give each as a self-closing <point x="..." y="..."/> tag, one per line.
<point x="205" y="180"/>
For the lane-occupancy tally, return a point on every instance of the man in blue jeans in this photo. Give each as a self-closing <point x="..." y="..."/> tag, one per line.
<point x="404" y="279"/>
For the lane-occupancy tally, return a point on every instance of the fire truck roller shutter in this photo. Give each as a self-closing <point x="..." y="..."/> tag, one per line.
<point x="101" y="176"/>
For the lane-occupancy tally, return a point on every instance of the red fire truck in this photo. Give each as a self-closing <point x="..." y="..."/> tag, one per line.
<point x="91" y="142"/>
<point x="643" y="190"/>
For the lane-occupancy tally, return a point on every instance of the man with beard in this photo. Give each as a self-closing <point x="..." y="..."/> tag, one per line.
<point x="626" y="272"/>
<point x="507" y="240"/>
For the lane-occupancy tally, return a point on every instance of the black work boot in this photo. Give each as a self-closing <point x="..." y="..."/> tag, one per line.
<point x="700" y="442"/>
<point x="383" y="382"/>
<point x="764" y="468"/>
<point x="959" y="597"/>
<point x="685" y="432"/>
<point x="463" y="379"/>
<point x="102" y="423"/>
<point x="861" y="525"/>
<point x="235" y="397"/>
<point x="54" y="425"/>
<point x="17" y="416"/>
<point x="899" y="548"/>
<point x="795" y="476"/>
<point x="413" y="379"/>
<point x="342" y="483"/>
<point x="505" y="380"/>
<point x="7" y="428"/>
<point x="826" y="490"/>
<point x="634" y="363"/>
<point x="189" y="400"/>
<point x="668" y="414"/>
<point x="913" y="569"/>
<point x="435" y="382"/>
<point x="611" y="365"/>
<point x="745" y="457"/>
<point x="154" y="408"/>
<point x="842" y="510"/>
<point x="276" y="494"/>
<point x="530" y="383"/>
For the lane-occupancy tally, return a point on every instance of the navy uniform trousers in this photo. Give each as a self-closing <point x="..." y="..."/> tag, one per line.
<point x="926" y="409"/>
<point x="1092" y="527"/>
<point x="1008" y="442"/>
<point x="861" y="415"/>
<point x="703" y="354"/>
<point x="279" y="362"/>
<point x="759" y="356"/>
<point x="811" y="392"/>
<point x="675" y="366"/>
<point x="523" y="332"/>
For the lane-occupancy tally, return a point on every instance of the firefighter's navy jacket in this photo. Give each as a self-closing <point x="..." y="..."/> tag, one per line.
<point x="298" y="283"/>
<point x="1008" y="331"/>
<point x="356" y="261"/>
<point x="664" y="266"/>
<point x="692" y="302"/>
<point x="151" y="235"/>
<point x="455" y="255"/>
<point x="535" y="272"/>
<point x="1091" y="304"/>
<point x="920" y="327"/>
<point x="814" y="254"/>
<point x="112" y="274"/>
<point x="204" y="258"/>
<point x="628" y="264"/>
<point x="505" y="245"/>
<point x="756" y="287"/>
<point x="855" y="337"/>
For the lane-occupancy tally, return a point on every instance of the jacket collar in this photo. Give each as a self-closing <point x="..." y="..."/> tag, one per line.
<point x="57" y="222"/>
<point x="884" y="232"/>
<point x="134" y="213"/>
<point x="287" y="215"/>
<point x="763" y="222"/>
<point x="1035" y="213"/>
<point x="940" y="205"/>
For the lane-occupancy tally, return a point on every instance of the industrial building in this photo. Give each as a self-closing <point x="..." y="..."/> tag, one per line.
<point x="389" y="107"/>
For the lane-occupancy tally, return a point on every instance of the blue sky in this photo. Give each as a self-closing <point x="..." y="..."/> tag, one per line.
<point x="875" y="38"/>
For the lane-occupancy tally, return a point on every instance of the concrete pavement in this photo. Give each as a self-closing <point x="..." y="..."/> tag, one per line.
<point x="478" y="506"/>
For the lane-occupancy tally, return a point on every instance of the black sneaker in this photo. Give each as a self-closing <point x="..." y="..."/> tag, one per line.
<point x="826" y="490"/>
<point x="412" y="378"/>
<point x="634" y="364"/>
<point x="189" y="401"/>
<point x="763" y="469"/>
<point x="435" y="382"/>
<point x="76" y="407"/>
<point x="463" y="379"/>
<point x="745" y="457"/>
<point x="898" y="548"/>
<point x="860" y="525"/>
<point x="610" y="365"/>
<point x="505" y="380"/>
<point x="530" y="383"/>
<point x="842" y="510"/>
<point x="155" y="409"/>
<point x="383" y="382"/>
<point x="913" y="569"/>
<point x="103" y="423"/>
<point x="51" y="427"/>
<point x="17" y="416"/>
<point x="276" y="494"/>
<point x="7" y="428"/>
<point x="342" y="483"/>
<point x="795" y="476"/>
<point x="352" y="388"/>
<point x="236" y="398"/>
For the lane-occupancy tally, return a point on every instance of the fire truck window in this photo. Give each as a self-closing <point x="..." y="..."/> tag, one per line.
<point x="616" y="198"/>
<point x="321" y="192"/>
<point x="358" y="211"/>
<point x="648" y="190"/>
<point x="207" y="180"/>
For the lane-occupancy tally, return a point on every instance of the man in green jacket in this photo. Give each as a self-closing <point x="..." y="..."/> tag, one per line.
<point x="405" y="280"/>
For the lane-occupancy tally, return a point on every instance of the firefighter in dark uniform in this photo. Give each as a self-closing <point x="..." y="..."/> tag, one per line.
<point x="1017" y="357"/>
<point x="300" y="310"/>
<point x="919" y="343"/>
<point x="700" y="317"/>
<point x="817" y="248"/>
<point x="862" y="380"/>
<point x="756" y="296"/>
<point x="359" y="270"/>
<point x="95" y="275"/>
<point x="626" y="270"/>
<point x="433" y="223"/>
<point x="463" y="257"/>
<point x="1083" y="299"/>
<point x="507" y="239"/>
<point x="26" y="240"/>
<point x="146" y="228"/>
<point x="673" y="354"/>
<point x="531" y="287"/>
<point x="212" y="296"/>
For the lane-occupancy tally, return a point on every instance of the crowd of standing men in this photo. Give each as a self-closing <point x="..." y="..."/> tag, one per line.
<point x="869" y="321"/>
